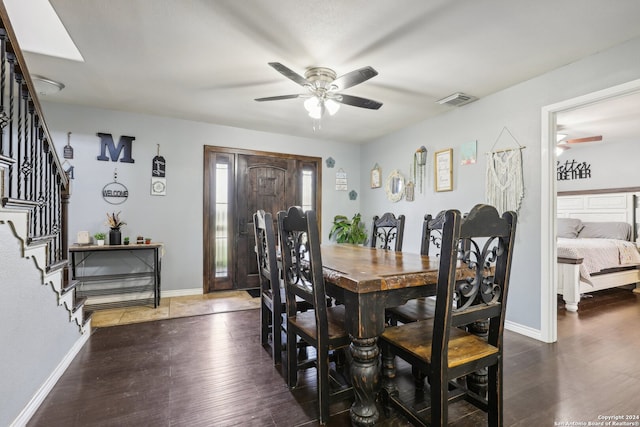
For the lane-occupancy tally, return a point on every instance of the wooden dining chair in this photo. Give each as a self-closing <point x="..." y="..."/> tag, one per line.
<point x="387" y="232"/>
<point x="323" y="327"/>
<point x="272" y="294"/>
<point x="421" y="308"/>
<point x="440" y="349"/>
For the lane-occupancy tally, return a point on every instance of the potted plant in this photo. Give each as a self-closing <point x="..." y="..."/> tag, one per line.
<point x="348" y="231"/>
<point x="126" y="240"/>
<point x="114" y="222"/>
<point x="99" y="238"/>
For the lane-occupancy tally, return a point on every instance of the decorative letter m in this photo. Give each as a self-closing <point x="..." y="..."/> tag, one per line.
<point x="106" y="141"/>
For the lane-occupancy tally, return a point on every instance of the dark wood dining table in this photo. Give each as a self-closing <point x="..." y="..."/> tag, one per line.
<point x="368" y="280"/>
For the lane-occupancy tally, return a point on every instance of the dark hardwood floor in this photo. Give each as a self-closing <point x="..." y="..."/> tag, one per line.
<point x="212" y="371"/>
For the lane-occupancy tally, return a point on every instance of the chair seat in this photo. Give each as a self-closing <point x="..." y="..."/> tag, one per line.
<point x="415" y="338"/>
<point x="413" y="311"/>
<point x="306" y="323"/>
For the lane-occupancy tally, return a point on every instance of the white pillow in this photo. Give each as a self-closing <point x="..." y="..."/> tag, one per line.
<point x="569" y="227"/>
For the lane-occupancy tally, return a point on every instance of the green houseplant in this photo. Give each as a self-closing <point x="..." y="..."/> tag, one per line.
<point x="99" y="238"/>
<point x="348" y="231"/>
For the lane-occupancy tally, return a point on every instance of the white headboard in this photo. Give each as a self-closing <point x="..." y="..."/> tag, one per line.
<point x="600" y="207"/>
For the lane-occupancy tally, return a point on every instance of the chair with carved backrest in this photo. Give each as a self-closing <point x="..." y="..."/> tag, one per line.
<point x="421" y="308"/>
<point x="438" y="347"/>
<point x="272" y="295"/>
<point x="323" y="327"/>
<point x="387" y="232"/>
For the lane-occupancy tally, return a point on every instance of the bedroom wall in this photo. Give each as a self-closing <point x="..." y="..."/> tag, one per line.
<point x="517" y="108"/>
<point x="611" y="165"/>
<point x="174" y="219"/>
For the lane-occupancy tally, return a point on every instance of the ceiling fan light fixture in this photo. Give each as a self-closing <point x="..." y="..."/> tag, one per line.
<point x="314" y="107"/>
<point x="332" y="106"/>
<point x="323" y="85"/>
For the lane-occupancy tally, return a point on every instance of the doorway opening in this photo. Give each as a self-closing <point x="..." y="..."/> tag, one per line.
<point x="237" y="183"/>
<point x="549" y="273"/>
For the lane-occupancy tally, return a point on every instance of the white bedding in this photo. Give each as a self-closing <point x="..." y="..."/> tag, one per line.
<point x="598" y="254"/>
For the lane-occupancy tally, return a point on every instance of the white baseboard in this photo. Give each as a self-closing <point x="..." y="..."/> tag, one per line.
<point x="181" y="292"/>
<point x="25" y="415"/>
<point x="523" y="330"/>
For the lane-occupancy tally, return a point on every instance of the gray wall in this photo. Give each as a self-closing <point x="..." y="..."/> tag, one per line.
<point x="174" y="219"/>
<point x="612" y="166"/>
<point x="35" y="334"/>
<point x="519" y="109"/>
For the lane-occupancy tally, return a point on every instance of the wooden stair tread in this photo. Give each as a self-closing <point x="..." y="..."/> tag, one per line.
<point x="78" y="303"/>
<point x="69" y="286"/>
<point x="87" y="315"/>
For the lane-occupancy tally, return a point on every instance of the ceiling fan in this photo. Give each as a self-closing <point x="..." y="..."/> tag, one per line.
<point x="564" y="144"/>
<point x="586" y="139"/>
<point x="323" y="85"/>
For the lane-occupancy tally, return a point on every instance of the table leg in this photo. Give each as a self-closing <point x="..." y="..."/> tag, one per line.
<point x="365" y="376"/>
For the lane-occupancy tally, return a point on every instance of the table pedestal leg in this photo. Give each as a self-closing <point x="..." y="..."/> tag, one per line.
<point x="365" y="376"/>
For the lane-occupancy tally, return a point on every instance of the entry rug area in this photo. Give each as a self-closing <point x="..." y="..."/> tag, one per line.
<point x="174" y="307"/>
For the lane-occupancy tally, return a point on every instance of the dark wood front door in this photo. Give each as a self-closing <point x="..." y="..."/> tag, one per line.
<point x="237" y="183"/>
<point x="265" y="183"/>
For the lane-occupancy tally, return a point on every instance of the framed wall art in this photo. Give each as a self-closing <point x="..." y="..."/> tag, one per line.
<point x="376" y="177"/>
<point x="444" y="169"/>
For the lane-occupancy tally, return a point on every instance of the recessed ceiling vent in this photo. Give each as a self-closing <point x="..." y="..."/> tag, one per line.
<point x="457" y="99"/>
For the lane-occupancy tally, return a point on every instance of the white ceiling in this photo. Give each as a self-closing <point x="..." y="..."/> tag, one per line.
<point x="207" y="60"/>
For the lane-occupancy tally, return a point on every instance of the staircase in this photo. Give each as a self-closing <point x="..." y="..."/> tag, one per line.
<point x="54" y="276"/>
<point x="34" y="188"/>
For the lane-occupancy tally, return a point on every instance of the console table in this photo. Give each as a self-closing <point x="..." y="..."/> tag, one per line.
<point x="121" y="274"/>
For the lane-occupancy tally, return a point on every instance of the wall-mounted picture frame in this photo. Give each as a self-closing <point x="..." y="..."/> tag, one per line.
<point x="443" y="161"/>
<point x="409" y="191"/>
<point x="376" y="177"/>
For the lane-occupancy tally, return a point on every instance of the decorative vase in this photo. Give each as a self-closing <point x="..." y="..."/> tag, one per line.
<point x="115" y="237"/>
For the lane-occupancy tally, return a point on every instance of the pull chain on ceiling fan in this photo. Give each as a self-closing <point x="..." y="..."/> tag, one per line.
<point x="322" y="89"/>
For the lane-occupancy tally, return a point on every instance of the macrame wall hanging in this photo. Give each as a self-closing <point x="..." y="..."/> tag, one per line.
<point x="505" y="183"/>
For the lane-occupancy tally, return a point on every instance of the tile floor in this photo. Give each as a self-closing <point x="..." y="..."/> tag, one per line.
<point x="174" y="307"/>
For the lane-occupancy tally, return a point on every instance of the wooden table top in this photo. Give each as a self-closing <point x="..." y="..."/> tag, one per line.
<point x="363" y="269"/>
<point x="134" y="246"/>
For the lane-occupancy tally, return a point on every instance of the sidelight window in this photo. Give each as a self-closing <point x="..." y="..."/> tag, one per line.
<point x="222" y="219"/>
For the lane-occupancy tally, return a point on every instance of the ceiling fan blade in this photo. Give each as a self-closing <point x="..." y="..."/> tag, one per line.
<point x="289" y="73"/>
<point x="354" y="77"/>
<point x="277" y="98"/>
<point x="587" y="139"/>
<point x="356" y="101"/>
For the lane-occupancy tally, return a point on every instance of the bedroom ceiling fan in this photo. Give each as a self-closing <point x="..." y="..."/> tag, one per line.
<point x="564" y="144"/>
<point x="595" y="138"/>
<point x="323" y="86"/>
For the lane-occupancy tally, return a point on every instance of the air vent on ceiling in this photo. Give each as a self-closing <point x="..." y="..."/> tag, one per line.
<point x="457" y="99"/>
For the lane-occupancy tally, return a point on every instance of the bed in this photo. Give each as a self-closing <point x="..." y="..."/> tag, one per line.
<point x="596" y="241"/>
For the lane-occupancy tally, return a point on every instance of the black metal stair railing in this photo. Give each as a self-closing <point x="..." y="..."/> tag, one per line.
<point x="34" y="179"/>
